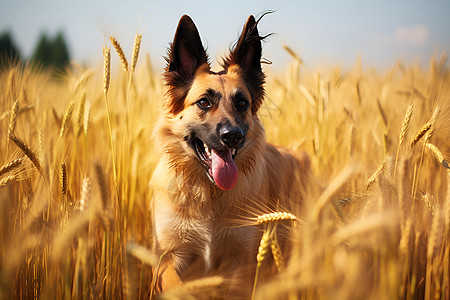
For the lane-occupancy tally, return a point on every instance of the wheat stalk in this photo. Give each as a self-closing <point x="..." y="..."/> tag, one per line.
<point x="13" y="119"/>
<point x="404" y="188"/>
<point x="433" y="119"/>
<point x="403" y="132"/>
<point x="27" y="151"/>
<point x="375" y="174"/>
<point x="83" y="80"/>
<point x="275" y="216"/>
<point x="405" y="125"/>
<point x="292" y="53"/>
<point x="87" y="115"/>
<point x="436" y="234"/>
<point x="136" y="48"/>
<point x="10" y="166"/>
<point x="81" y="113"/>
<point x="101" y="180"/>
<point x="66" y="118"/>
<point x="120" y="53"/>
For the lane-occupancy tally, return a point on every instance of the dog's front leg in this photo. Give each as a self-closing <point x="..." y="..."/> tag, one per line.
<point x="166" y="275"/>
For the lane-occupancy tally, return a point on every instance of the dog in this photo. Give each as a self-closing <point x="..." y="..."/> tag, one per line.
<point x="216" y="166"/>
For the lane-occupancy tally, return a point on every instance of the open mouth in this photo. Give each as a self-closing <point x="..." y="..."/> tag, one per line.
<point x="220" y="164"/>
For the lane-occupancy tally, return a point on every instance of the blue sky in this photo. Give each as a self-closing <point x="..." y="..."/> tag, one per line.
<point x="321" y="32"/>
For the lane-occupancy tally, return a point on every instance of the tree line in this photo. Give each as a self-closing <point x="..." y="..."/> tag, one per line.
<point x="49" y="52"/>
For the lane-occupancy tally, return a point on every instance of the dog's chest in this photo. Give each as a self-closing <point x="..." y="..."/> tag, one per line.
<point x="207" y="236"/>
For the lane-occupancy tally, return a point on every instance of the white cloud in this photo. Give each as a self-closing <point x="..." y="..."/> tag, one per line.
<point x="414" y="35"/>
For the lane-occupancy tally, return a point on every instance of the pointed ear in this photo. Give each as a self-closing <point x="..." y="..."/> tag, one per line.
<point x="247" y="55"/>
<point x="185" y="55"/>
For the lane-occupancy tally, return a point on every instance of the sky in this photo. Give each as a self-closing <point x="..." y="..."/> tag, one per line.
<point x="322" y="33"/>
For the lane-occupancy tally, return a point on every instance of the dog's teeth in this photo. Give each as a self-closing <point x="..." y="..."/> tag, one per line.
<point x="207" y="151"/>
<point x="233" y="152"/>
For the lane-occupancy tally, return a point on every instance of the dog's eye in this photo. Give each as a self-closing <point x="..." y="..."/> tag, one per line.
<point x="241" y="104"/>
<point x="204" y="103"/>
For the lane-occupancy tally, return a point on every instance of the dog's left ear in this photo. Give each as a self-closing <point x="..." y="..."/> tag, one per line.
<point x="247" y="55"/>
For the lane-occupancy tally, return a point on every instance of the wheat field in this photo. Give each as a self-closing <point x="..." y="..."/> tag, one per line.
<point x="77" y="155"/>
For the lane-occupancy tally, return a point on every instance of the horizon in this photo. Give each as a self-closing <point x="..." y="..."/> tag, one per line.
<point x="326" y="34"/>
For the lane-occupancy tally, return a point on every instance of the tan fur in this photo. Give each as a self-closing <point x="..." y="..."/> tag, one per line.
<point x="194" y="219"/>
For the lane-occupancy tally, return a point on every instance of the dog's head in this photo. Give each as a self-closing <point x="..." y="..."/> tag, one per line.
<point x="213" y="114"/>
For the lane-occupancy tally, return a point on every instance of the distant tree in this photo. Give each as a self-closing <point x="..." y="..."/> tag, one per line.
<point x="8" y="50"/>
<point x="59" y="52"/>
<point x="52" y="52"/>
<point x="41" y="53"/>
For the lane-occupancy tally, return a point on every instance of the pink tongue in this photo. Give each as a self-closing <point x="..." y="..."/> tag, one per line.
<point x="224" y="169"/>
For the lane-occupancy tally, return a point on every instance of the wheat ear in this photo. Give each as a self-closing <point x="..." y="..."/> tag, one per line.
<point x="106" y="68"/>
<point x="85" y="193"/>
<point x="425" y="128"/>
<point x="277" y="254"/>
<point x="81" y="110"/>
<point x="120" y="53"/>
<point x="436" y="234"/>
<point x="27" y="151"/>
<point x="403" y="132"/>
<point x="438" y="154"/>
<point x="87" y="116"/>
<point x="8" y="179"/>
<point x="64" y="180"/>
<point x="405" y="125"/>
<point x="136" y="48"/>
<point x="10" y="166"/>
<point x="262" y="251"/>
<point x="276" y="216"/>
<point x="66" y="119"/>
<point x="375" y="174"/>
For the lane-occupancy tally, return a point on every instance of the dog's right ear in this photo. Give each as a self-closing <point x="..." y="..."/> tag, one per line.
<point x="185" y="55"/>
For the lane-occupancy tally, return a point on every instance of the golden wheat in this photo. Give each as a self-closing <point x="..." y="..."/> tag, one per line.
<point x="436" y="234"/>
<point x="66" y="118"/>
<point x="425" y="128"/>
<point x="13" y="119"/>
<point x="64" y="180"/>
<point x="429" y="203"/>
<point x="438" y="154"/>
<point x="275" y="216"/>
<point x="277" y="254"/>
<point x="143" y="254"/>
<point x="375" y="174"/>
<point x="101" y="180"/>
<point x="81" y="114"/>
<point x="136" y="48"/>
<point x="10" y="166"/>
<point x="406" y="123"/>
<point x="5" y="180"/>
<point x="120" y="53"/>
<point x="106" y="69"/>
<point x="85" y="193"/>
<point x="27" y="151"/>
<point x="353" y="243"/>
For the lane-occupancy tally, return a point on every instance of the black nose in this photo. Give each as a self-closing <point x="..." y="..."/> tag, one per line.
<point x="231" y="136"/>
